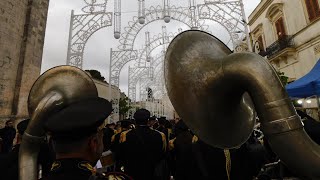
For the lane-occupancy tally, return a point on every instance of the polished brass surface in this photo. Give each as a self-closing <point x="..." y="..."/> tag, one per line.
<point x="217" y="92"/>
<point x="52" y="91"/>
<point x="196" y="82"/>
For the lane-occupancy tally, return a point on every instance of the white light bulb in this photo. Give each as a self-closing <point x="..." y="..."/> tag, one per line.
<point x="142" y="20"/>
<point x="167" y="19"/>
<point x="300" y="101"/>
<point x="308" y="101"/>
<point x="117" y="35"/>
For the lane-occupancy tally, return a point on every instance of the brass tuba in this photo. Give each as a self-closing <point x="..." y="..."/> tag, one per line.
<point x="217" y="93"/>
<point x="52" y="91"/>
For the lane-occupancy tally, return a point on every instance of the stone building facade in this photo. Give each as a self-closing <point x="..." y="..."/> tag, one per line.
<point x="103" y="92"/>
<point x="22" y="31"/>
<point x="287" y="33"/>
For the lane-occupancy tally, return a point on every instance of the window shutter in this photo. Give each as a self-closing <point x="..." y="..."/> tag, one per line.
<point x="316" y="8"/>
<point x="313" y="9"/>
<point x="280" y="28"/>
<point x="309" y="9"/>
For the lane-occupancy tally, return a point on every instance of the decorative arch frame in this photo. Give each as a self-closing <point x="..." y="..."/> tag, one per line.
<point x="95" y="17"/>
<point x="135" y="73"/>
<point x="155" y="14"/>
<point x="83" y="26"/>
<point x="230" y="15"/>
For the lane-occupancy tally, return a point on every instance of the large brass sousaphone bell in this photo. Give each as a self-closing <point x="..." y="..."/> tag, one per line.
<point x="52" y="91"/>
<point x="217" y="92"/>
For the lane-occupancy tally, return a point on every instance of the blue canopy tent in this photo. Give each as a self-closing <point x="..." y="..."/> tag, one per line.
<point x="306" y="86"/>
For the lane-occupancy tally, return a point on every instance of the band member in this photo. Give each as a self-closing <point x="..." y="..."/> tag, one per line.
<point x="77" y="135"/>
<point x="125" y="126"/>
<point x="142" y="148"/>
<point x="9" y="162"/>
<point x="7" y="134"/>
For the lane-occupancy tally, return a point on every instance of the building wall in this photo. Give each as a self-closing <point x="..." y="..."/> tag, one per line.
<point x="299" y="58"/>
<point x="306" y="35"/>
<point x="22" y="33"/>
<point x="103" y="92"/>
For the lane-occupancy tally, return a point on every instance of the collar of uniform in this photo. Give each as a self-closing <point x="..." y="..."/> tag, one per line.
<point x="72" y="164"/>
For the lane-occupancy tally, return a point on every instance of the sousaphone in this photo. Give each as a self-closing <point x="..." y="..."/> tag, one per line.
<point x="52" y="91"/>
<point x="217" y="92"/>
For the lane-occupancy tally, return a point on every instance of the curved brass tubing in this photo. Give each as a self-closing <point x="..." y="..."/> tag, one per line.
<point x="52" y="91"/>
<point x="217" y="92"/>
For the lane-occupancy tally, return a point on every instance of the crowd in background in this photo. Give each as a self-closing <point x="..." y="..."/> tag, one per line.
<point x="147" y="147"/>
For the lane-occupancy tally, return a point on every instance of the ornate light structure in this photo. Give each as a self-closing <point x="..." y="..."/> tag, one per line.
<point x="228" y="13"/>
<point x="82" y="26"/>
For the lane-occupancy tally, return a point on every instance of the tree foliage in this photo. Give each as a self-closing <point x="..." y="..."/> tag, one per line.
<point x="96" y="75"/>
<point x="283" y="78"/>
<point x="124" y="105"/>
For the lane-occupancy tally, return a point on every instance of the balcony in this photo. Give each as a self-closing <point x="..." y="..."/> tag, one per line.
<point x="286" y="42"/>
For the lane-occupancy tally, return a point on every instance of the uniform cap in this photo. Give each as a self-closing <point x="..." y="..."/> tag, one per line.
<point x="142" y="115"/>
<point x="79" y="120"/>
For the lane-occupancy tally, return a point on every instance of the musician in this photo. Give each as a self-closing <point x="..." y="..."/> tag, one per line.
<point x="153" y="122"/>
<point x="183" y="164"/>
<point x="9" y="162"/>
<point x="108" y="133"/>
<point x="77" y="135"/>
<point x="142" y="148"/>
<point x="7" y="134"/>
<point x="125" y="126"/>
<point x="162" y="127"/>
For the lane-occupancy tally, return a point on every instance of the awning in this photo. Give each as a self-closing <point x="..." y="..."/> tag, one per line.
<point x="306" y="86"/>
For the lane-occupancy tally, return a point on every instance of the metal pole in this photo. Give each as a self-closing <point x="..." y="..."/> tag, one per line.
<point x="70" y="38"/>
<point x="147" y="36"/>
<point x="110" y="88"/>
<point x="192" y="7"/>
<point x="246" y="29"/>
<point x="166" y="11"/>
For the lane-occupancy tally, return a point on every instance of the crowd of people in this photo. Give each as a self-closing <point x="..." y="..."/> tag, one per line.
<point x="143" y="148"/>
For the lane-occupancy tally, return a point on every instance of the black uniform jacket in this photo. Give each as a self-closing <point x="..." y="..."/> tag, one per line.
<point x="141" y="150"/>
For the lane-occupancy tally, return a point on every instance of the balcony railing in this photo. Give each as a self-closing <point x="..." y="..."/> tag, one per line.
<point x="279" y="45"/>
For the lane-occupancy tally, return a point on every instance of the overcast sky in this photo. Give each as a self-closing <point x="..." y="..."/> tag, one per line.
<point x="97" y="50"/>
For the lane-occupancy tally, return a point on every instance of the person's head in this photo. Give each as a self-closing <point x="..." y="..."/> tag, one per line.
<point x="162" y="121"/>
<point x="141" y="116"/>
<point x="9" y="123"/>
<point x="152" y="120"/>
<point x="77" y="130"/>
<point x="126" y="124"/>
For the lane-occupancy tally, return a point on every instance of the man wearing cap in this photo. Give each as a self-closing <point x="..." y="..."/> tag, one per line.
<point x="125" y="126"/>
<point x="142" y="148"/>
<point x="9" y="163"/>
<point x="77" y="136"/>
<point x="7" y="134"/>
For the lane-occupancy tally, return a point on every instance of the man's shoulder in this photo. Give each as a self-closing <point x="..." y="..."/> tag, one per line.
<point x="157" y="132"/>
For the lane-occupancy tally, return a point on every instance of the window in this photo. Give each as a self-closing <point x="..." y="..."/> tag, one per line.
<point x="280" y="28"/>
<point x="313" y="9"/>
<point x="277" y="19"/>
